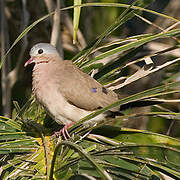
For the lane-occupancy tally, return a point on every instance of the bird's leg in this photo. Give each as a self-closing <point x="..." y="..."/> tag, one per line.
<point x="64" y="131"/>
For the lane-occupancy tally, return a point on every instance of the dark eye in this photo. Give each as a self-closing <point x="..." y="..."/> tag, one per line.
<point x="40" y="51"/>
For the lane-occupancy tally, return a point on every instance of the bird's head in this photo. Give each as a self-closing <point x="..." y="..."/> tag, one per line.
<point x="41" y="53"/>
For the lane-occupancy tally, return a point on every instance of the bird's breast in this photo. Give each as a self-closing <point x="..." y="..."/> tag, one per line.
<point x="44" y="88"/>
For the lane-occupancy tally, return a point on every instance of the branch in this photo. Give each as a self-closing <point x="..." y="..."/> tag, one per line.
<point x="56" y="33"/>
<point x="50" y="6"/>
<point x="6" y="89"/>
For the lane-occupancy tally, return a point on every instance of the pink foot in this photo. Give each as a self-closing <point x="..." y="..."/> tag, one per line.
<point x="64" y="131"/>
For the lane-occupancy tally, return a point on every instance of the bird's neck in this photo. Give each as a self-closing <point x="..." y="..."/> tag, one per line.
<point x="39" y="76"/>
<point x="43" y="75"/>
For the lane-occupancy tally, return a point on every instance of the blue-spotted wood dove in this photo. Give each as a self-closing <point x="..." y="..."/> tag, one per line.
<point x="66" y="93"/>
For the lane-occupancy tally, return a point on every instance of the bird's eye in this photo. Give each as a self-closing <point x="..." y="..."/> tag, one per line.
<point x="40" y="51"/>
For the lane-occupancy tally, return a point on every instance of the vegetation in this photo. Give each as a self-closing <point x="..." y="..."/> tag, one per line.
<point x="140" y="63"/>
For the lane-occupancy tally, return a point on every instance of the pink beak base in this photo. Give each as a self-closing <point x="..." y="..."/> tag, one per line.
<point x="28" y="62"/>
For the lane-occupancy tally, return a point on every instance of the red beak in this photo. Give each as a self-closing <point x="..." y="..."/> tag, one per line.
<point x="28" y="62"/>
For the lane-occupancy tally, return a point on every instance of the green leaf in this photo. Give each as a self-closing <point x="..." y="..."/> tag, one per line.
<point x="76" y="17"/>
<point x="131" y="45"/>
<point x="81" y="151"/>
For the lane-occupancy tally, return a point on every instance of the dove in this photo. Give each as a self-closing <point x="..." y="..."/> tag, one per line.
<point x="66" y="92"/>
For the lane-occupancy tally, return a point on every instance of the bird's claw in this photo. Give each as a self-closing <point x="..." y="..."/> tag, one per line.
<point x="63" y="132"/>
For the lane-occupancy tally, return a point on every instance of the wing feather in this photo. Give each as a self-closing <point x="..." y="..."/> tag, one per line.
<point x="82" y="90"/>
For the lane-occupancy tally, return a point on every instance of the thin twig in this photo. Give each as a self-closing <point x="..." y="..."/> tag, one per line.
<point x="170" y="127"/>
<point x="158" y="27"/>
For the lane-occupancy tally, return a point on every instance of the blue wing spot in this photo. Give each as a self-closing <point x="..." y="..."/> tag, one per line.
<point x="94" y="90"/>
<point x="104" y="90"/>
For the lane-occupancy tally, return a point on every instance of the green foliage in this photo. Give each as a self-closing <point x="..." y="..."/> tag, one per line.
<point x="107" y="152"/>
